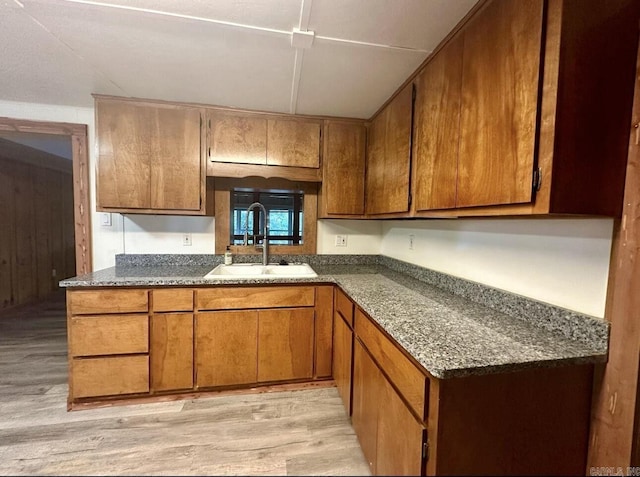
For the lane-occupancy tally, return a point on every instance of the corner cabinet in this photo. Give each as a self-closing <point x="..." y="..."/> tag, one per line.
<point x="501" y="125"/>
<point x="534" y="421"/>
<point x="343" y="163"/>
<point x="150" y="158"/>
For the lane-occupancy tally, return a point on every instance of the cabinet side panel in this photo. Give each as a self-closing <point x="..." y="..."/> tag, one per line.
<point x="598" y="46"/>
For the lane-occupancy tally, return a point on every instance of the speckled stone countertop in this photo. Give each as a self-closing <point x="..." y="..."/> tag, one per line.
<point x="451" y="332"/>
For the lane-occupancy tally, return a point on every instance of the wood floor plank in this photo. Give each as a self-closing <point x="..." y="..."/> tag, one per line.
<point x="301" y="432"/>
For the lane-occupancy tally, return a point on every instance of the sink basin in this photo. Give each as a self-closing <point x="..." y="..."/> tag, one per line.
<point x="256" y="270"/>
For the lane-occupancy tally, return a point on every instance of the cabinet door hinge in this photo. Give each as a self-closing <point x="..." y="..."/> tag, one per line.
<point x="425" y="450"/>
<point x="537" y="179"/>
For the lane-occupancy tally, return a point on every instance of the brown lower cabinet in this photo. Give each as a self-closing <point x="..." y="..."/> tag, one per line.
<point x="138" y="342"/>
<point x="530" y="422"/>
<point x="390" y="436"/>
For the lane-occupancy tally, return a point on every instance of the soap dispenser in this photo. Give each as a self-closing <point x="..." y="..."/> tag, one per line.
<point x="228" y="256"/>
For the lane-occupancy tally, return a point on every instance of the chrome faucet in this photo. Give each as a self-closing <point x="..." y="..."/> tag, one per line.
<point x="265" y="242"/>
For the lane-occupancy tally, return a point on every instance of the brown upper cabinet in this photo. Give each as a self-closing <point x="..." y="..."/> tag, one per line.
<point x="502" y="126"/>
<point x="343" y="163"/>
<point x="500" y="71"/>
<point x="150" y="158"/>
<point x="236" y="137"/>
<point x="389" y="158"/>
<point x="250" y="138"/>
<point x="437" y="118"/>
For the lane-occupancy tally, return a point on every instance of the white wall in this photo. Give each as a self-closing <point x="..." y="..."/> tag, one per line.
<point x="164" y="234"/>
<point x="363" y="236"/>
<point x="564" y="262"/>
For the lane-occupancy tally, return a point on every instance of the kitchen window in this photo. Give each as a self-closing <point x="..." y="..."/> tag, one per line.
<point x="292" y="208"/>
<point x="285" y="210"/>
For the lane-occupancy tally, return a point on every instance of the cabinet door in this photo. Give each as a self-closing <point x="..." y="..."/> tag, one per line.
<point x="500" y="75"/>
<point x="285" y="344"/>
<point x="171" y="351"/>
<point x="237" y="138"/>
<point x="436" y="133"/>
<point x="149" y="156"/>
<point x="342" y="355"/>
<point x="399" y="438"/>
<point x="226" y="348"/>
<point x="344" y="168"/>
<point x="177" y="177"/>
<point x="367" y="388"/>
<point x="124" y="155"/>
<point x="389" y="157"/>
<point x="293" y="143"/>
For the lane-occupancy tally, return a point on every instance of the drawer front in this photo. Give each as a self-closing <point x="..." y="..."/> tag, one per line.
<point x="344" y="306"/>
<point x="108" y="334"/>
<point x="110" y="376"/>
<point x="228" y="298"/>
<point x="405" y="375"/>
<point x="89" y="302"/>
<point x="172" y="299"/>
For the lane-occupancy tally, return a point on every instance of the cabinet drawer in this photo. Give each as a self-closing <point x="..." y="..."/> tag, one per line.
<point x="110" y="334"/>
<point x="172" y="299"/>
<point x="227" y="298"/>
<point x="87" y="302"/>
<point x="405" y="375"/>
<point x="344" y="306"/>
<point x="110" y="376"/>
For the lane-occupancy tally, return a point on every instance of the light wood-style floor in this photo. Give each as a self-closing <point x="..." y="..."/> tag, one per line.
<point x="283" y="433"/>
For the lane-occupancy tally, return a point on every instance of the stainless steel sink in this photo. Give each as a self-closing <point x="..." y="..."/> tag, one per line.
<point x="257" y="270"/>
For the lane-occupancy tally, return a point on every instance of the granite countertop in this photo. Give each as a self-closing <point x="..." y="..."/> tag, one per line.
<point x="448" y="334"/>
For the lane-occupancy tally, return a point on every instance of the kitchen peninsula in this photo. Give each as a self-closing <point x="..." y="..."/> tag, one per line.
<point x="440" y="375"/>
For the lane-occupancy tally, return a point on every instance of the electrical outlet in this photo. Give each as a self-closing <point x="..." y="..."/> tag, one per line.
<point x="411" y="237"/>
<point x="186" y="240"/>
<point x="341" y="240"/>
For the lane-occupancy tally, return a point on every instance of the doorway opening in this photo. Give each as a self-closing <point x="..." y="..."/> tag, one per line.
<point x="45" y="215"/>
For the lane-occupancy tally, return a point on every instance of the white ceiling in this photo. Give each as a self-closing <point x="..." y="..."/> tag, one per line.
<point x="234" y="53"/>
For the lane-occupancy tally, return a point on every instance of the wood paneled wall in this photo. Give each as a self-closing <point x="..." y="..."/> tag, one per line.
<point x="37" y="247"/>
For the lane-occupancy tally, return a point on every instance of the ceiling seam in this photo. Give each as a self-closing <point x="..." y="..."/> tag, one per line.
<point x="303" y="25"/>
<point x="374" y="45"/>
<point x="295" y="84"/>
<point x="182" y="16"/>
<point x="305" y="15"/>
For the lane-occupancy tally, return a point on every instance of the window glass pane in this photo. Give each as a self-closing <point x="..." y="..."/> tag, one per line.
<point x="286" y="218"/>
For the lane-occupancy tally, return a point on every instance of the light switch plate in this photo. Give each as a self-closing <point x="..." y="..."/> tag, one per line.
<point x="105" y="219"/>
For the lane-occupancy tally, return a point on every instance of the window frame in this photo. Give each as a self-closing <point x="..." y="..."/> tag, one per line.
<point x="224" y="186"/>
